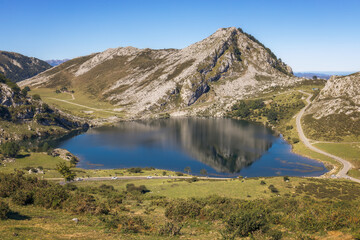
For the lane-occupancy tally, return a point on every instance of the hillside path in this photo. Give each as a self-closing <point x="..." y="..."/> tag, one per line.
<point x="346" y="165"/>
<point x="79" y="105"/>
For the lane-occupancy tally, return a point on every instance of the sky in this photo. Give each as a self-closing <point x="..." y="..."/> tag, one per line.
<point x="308" y="35"/>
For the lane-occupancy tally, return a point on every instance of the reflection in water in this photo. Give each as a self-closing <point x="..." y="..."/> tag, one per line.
<point x="222" y="146"/>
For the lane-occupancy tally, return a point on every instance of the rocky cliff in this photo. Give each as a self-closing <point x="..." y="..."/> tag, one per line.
<point x="208" y="76"/>
<point x="18" y="67"/>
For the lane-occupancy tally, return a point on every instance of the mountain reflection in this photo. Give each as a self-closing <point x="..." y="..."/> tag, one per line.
<point x="223" y="144"/>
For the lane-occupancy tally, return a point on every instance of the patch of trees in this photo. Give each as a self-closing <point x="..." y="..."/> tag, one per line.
<point x="10" y="149"/>
<point x="250" y="109"/>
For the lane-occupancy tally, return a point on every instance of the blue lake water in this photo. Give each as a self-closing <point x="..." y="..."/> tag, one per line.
<point x="223" y="147"/>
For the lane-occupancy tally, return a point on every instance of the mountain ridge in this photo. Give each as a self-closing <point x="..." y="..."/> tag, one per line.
<point x="217" y="71"/>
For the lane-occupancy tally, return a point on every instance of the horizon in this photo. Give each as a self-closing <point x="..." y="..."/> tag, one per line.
<point x="305" y="35"/>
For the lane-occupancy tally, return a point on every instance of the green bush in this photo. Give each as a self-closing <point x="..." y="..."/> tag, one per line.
<point x="273" y="189"/>
<point x="130" y="187"/>
<point x="135" y="170"/>
<point x="170" y="229"/>
<point x="182" y="209"/>
<point x="247" y="221"/>
<point x="179" y="174"/>
<point x="23" y="197"/>
<point x="10" y="149"/>
<point x="50" y="197"/>
<point x="36" y="97"/>
<point x="4" y="210"/>
<point x="85" y="203"/>
<point x="126" y="224"/>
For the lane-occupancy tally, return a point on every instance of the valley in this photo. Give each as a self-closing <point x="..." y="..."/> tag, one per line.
<point x="216" y="140"/>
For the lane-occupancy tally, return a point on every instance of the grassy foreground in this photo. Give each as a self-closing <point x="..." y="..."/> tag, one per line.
<point x="259" y="208"/>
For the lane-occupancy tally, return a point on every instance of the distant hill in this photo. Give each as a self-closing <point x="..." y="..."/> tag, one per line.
<point x="322" y="75"/>
<point x="55" y="62"/>
<point x="311" y="75"/>
<point x="206" y="77"/>
<point x="17" y="67"/>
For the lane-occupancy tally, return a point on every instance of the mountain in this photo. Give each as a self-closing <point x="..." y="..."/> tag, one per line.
<point x="310" y="75"/>
<point x="55" y="62"/>
<point x="206" y="77"/>
<point x="336" y="110"/>
<point x="18" y="67"/>
<point x="23" y="117"/>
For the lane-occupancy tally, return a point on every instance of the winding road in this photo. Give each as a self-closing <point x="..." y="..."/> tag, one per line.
<point x="346" y="165"/>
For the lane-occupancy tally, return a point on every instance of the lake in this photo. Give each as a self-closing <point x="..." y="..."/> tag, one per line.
<point x="223" y="147"/>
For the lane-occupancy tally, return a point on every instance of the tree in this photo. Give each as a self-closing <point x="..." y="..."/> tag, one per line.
<point x="315" y="77"/>
<point x="188" y="170"/>
<point x="10" y="149"/>
<point x="65" y="171"/>
<point x="203" y="172"/>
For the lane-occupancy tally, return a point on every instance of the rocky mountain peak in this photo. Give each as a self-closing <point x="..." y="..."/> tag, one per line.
<point x="229" y="64"/>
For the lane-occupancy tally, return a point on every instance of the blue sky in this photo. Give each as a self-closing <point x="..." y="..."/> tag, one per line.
<point x="309" y="35"/>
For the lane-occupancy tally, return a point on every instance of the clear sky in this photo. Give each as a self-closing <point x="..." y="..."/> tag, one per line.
<point x="309" y="35"/>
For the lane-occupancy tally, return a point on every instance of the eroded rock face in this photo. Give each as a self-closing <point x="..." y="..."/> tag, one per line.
<point x="227" y="66"/>
<point x="341" y="95"/>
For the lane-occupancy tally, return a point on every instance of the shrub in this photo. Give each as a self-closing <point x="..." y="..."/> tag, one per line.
<point x="4" y="210"/>
<point x="273" y="189"/>
<point x="134" y="170"/>
<point x="246" y="221"/>
<point x="126" y="224"/>
<point x="50" y="197"/>
<point x="193" y="179"/>
<point x="85" y="203"/>
<point x="36" y="97"/>
<point x="286" y="178"/>
<point x="289" y="127"/>
<point x="179" y="174"/>
<point x="182" y="209"/>
<point x="170" y="229"/>
<point x="105" y="187"/>
<point x="130" y="187"/>
<point x="295" y="140"/>
<point x="262" y="182"/>
<point x="275" y="234"/>
<point x="10" y="149"/>
<point x="23" y="197"/>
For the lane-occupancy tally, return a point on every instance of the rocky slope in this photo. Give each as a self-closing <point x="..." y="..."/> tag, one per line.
<point x="207" y="77"/>
<point x="18" y="67"/>
<point x="23" y="117"/>
<point x="337" y="107"/>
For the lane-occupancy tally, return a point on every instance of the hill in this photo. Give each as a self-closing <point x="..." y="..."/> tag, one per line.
<point x="23" y="117"/>
<point x="335" y="112"/>
<point x="206" y="77"/>
<point x="18" y="67"/>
